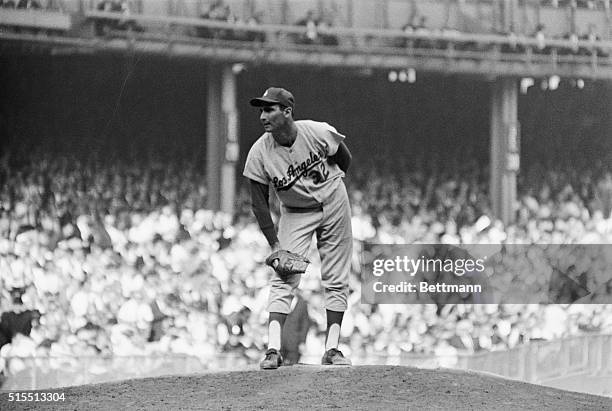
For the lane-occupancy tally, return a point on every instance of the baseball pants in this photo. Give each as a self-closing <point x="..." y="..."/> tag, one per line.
<point x="332" y="226"/>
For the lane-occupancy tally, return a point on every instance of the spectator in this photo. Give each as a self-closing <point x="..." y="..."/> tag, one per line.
<point x="105" y="26"/>
<point x="451" y="33"/>
<point x="16" y="322"/>
<point x="540" y="36"/>
<point x="123" y="257"/>
<point x="511" y="46"/>
<point x="243" y="32"/>
<point x="423" y="31"/>
<point x="28" y="4"/>
<point x="593" y="38"/>
<point x="573" y="39"/>
<point x="253" y="21"/>
<point x="604" y="195"/>
<point x="407" y="28"/>
<point x="311" y="35"/>
<point x="217" y="11"/>
<point x="326" y="38"/>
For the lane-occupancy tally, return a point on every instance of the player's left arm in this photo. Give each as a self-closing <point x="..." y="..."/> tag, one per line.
<point x="338" y="152"/>
<point x="342" y="157"/>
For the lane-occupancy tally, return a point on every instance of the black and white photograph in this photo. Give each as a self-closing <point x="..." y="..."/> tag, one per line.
<point x="306" y="204"/>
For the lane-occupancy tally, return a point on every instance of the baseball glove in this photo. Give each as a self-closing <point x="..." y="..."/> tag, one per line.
<point x="287" y="263"/>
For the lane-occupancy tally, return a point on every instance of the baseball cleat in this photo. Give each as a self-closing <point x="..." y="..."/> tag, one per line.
<point x="272" y="361"/>
<point x="334" y="356"/>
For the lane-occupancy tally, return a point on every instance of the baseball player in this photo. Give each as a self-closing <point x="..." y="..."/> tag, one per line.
<point x="304" y="162"/>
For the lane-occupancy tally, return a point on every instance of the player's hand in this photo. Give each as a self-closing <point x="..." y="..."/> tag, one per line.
<point x="286" y="263"/>
<point x="275" y="247"/>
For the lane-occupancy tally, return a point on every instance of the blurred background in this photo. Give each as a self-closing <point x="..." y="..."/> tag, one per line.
<point x="127" y="245"/>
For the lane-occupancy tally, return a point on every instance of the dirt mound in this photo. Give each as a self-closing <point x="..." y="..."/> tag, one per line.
<point x="308" y="387"/>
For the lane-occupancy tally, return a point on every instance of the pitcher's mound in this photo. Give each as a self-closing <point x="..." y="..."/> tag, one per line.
<point x="316" y="387"/>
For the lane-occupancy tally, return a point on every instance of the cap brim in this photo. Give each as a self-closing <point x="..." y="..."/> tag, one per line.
<point x="262" y="101"/>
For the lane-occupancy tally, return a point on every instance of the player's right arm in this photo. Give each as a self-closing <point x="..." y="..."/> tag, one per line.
<point x="261" y="209"/>
<point x="259" y="179"/>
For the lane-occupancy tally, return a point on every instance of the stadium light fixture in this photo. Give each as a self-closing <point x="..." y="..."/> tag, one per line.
<point x="526" y="82"/>
<point x="553" y="82"/>
<point x="392" y="76"/>
<point x="411" y="75"/>
<point x="403" y="77"/>
<point x="238" y="68"/>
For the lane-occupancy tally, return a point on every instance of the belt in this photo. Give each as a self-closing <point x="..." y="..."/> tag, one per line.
<point x="312" y="209"/>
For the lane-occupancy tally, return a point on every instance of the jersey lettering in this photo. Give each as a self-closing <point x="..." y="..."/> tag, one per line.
<point x="307" y="168"/>
<point x="300" y="175"/>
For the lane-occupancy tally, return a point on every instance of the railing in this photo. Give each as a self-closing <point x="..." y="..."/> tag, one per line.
<point x="536" y="362"/>
<point x="473" y="16"/>
<point x="387" y="47"/>
<point x="443" y="44"/>
<point x="38" y="19"/>
<point x="522" y="55"/>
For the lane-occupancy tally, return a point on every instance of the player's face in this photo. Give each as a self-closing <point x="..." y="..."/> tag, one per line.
<point x="273" y="117"/>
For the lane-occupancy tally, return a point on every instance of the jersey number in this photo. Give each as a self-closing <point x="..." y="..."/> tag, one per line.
<point x="319" y="176"/>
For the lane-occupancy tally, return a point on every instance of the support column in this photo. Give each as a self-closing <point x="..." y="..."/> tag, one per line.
<point x="505" y="148"/>
<point x="231" y="149"/>
<point x="221" y="138"/>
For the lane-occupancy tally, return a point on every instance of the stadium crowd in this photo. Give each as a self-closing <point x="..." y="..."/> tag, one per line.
<point x="581" y="40"/>
<point x="318" y="22"/>
<point x="122" y="258"/>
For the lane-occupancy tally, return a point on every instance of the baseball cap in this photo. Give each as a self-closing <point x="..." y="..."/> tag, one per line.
<point x="274" y="95"/>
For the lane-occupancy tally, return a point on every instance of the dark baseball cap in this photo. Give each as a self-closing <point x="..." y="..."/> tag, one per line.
<point x="274" y="95"/>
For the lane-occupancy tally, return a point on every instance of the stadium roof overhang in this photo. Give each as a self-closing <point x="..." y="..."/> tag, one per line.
<point x="487" y="56"/>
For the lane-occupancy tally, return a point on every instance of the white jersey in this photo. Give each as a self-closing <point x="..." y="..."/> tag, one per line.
<point x="300" y="174"/>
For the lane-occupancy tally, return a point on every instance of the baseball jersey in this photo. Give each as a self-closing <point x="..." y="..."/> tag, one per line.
<point x="300" y="174"/>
